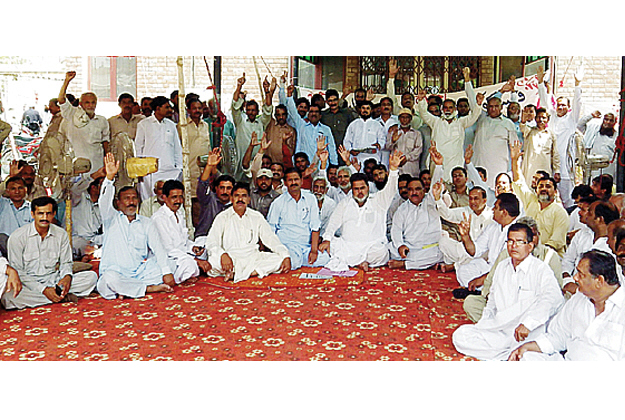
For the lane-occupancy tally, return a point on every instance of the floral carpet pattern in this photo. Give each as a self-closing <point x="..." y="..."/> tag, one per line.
<point x="381" y="315"/>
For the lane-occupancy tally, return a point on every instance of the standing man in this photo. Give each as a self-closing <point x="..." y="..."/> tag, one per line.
<point x="89" y="133"/>
<point x="405" y="101"/>
<point x="35" y="250"/>
<point x="601" y="139"/>
<point x="146" y="106"/>
<point x="134" y="261"/>
<point x="337" y="118"/>
<point x="282" y="137"/>
<point x="540" y="149"/>
<point x="408" y="140"/>
<point x="157" y="137"/>
<point x="126" y="121"/>
<point x="365" y="136"/>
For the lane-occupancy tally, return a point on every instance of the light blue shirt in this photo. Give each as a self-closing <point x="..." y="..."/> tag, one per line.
<point x="126" y="244"/>
<point x="294" y="221"/>
<point x="307" y="134"/>
<point x="12" y="218"/>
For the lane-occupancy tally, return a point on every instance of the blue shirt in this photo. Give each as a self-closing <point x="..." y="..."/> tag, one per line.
<point x="294" y="221"/>
<point x="12" y="218"/>
<point x="307" y="134"/>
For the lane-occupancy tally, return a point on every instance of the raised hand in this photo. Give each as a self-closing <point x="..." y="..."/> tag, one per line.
<point x="324" y="155"/>
<point x="392" y="68"/>
<point x="241" y="80"/>
<point x="435" y="155"/>
<point x="437" y="189"/>
<point x="515" y="151"/>
<point x="214" y="157"/>
<point x="254" y="140"/>
<point x="421" y="95"/>
<point x="370" y="94"/>
<point x="321" y="143"/>
<point x="265" y="143"/>
<point x="466" y="72"/>
<point x="272" y="85"/>
<point x="111" y="166"/>
<point x="479" y="98"/>
<point x="394" y="161"/>
<point x="508" y="86"/>
<point x="464" y="227"/>
<point x="596" y="114"/>
<point x="69" y="76"/>
<point x="540" y="74"/>
<point x="266" y="85"/>
<point x="343" y="153"/>
<point x="355" y="163"/>
<point x="468" y="154"/>
<point x="283" y="77"/>
<point x="289" y="90"/>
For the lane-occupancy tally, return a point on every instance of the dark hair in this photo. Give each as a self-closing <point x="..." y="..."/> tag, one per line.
<point x="15" y="178"/>
<point x="588" y="200"/>
<point x="547" y="178"/>
<point x="170" y="185"/>
<point x="278" y="163"/>
<point x="509" y="203"/>
<point x="291" y="170"/>
<point x="607" y="210"/>
<point x="266" y="156"/>
<point x="606" y="182"/>
<point x="462" y="100"/>
<point x="191" y="100"/>
<point x="223" y="178"/>
<point x="300" y="155"/>
<point x="543" y="111"/>
<point x="386" y="98"/>
<point x="619" y="234"/>
<point x="282" y="107"/>
<point x="146" y="98"/>
<point x="451" y="101"/>
<point x="126" y="188"/>
<point x="600" y="263"/>
<point x="530" y="106"/>
<point x="332" y="166"/>
<point x="482" y="171"/>
<point x="522" y="227"/>
<point x="412" y="179"/>
<point x="435" y="99"/>
<point x="316" y="97"/>
<point x="42" y="202"/>
<point x="252" y="102"/>
<point x="543" y="174"/>
<point x="370" y="160"/>
<point x="158" y="101"/>
<point x="241" y="186"/>
<point x="380" y="167"/>
<point x="365" y="102"/>
<point x="299" y="101"/>
<point x="478" y="188"/>
<point x="332" y="92"/>
<point x="404" y="177"/>
<point x="173" y="94"/>
<point x="459" y="168"/>
<point x="314" y="105"/>
<point x="581" y="190"/>
<point x="125" y="96"/>
<point x="424" y="172"/>
<point x="360" y="89"/>
<point x="358" y="176"/>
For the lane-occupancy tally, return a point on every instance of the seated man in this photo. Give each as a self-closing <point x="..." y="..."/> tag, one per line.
<point x="264" y="194"/>
<point x="416" y="230"/>
<point x="524" y="296"/>
<point x="128" y="268"/>
<point x="362" y="220"/>
<point x="294" y="217"/>
<point x="326" y="204"/>
<point x="14" y="210"/>
<point x="590" y="325"/>
<point x="171" y="224"/>
<point x="35" y="250"/>
<point x="152" y="204"/>
<point x="232" y="242"/>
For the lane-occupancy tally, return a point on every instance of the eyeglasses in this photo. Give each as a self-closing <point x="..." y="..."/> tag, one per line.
<point x="513" y="242"/>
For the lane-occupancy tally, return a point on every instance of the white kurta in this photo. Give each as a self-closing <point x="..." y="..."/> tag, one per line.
<point x="363" y="134"/>
<point x="175" y="239"/>
<point x="540" y="152"/>
<point x="585" y="242"/>
<point x="528" y="295"/>
<point x="418" y="228"/>
<point x="584" y="336"/>
<point x="327" y="208"/>
<point x="159" y="139"/>
<point x="600" y="144"/>
<point x="238" y="237"/>
<point x="363" y="229"/>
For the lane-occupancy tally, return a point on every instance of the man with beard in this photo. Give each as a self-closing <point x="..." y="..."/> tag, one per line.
<point x="41" y="255"/>
<point x="426" y="136"/>
<point x="264" y="194"/>
<point x="332" y="174"/>
<point x="157" y="136"/>
<point x="416" y="231"/>
<point x="551" y="217"/>
<point x="365" y="136"/>
<point x="170" y="222"/>
<point x="149" y="207"/>
<point x="233" y="242"/>
<point x="294" y="217"/>
<point x="34" y="187"/>
<point x="15" y="211"/>
<point x="88" y="133"/>
<point x="597" y="217"/>
<point x="564" y="123"/>
<point x="600" y="139"/>
<point x="343" y="173"/>
<point x="589" y="327"/>
<point x="337" y="118"/>
<point x="524" y="296"/>
<point x="212" y="202"/>
<point x="126" y="121"/>
<point x="408" y="140"/>
<point x="281" y="136"/>
<point x="448" y="129"/>
<point x="134" y="261"/>
<point x="146" y="108"/>
<point x="380" y="176"/>
<point x="362" y="220"/>
<point x="540" y="149"/>
<point x="326" y="204"/>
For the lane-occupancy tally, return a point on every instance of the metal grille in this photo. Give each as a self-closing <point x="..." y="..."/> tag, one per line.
<point x="434" y="74"/>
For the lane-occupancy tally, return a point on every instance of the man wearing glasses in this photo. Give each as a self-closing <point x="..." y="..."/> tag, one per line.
<point x="523" y="297"/>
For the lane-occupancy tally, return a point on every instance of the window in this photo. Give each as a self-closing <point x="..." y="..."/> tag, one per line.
<point x="319" y="72"/>
<point x="109" y="77"/>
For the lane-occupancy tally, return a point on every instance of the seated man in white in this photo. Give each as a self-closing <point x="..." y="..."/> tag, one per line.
<point x="362" y="220"/>
<point x="591" y="325"/>
<point x="416" y="231"/>
<point x="171" y="224"/>
<point x="233" y="242"/>
<point x="524" y="296"/>
<point x="128" y="268"/>
<point x="35" y="250"/>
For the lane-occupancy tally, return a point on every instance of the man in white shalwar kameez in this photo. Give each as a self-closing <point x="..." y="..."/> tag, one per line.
<point x="601" y="140"/>
<point x="591" y="325"/>
<point x="128" y="268"/>
<point x="365" y="136"/>
<point x="416" y="231"/>
<point x="157" y="136"/>
<point x="170" y="222"/>
<point x="362" y="220"/>
<point x="232" y="242"/>
<point x="524" y="296"/>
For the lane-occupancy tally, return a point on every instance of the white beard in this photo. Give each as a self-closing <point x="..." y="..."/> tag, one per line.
<point x="450" y="116"/>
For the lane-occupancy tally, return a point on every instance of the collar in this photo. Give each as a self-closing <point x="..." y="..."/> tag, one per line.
<point x="33" y="232"/>
<point x="618" y="297"/>
<point x="524" y="265"/>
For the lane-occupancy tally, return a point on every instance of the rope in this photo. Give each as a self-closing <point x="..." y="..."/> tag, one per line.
<point x="260" y="82"/>
<point x="561" y="84"/>
<point x="268" y="69"/>
<point x="220" y="121"/>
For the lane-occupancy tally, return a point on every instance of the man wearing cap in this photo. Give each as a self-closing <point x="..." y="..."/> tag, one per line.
<point x="408" y="141"/>
<point x="448" y="129"/>
<point x="264" y="194"/>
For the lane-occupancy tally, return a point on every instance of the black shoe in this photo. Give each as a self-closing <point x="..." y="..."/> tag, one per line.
<point x="463" y="292"/>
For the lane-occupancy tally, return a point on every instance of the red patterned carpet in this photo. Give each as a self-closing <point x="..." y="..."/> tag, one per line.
<point x="381" y="315"/>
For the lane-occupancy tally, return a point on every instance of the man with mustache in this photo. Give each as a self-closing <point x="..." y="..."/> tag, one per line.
<point x="170" y="222"/>
<point x="128" y="268"/>
<point x="14" y="210"/>
<point x="362" y="220"/>
<point x="600" y="139"/>
<point x="233" y="242"/>
<point x="89" y="133"/>
<point x="552" y="218"/>
<point x="365" y="136"/>
<point x="264" y="194"/>
<point x="35" y="250"/>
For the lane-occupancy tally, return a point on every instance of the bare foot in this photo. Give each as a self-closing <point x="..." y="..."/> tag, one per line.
<point x="192" y="279"/>
<point x="229" y="276"/>
<point x="394" y="264"/>
<point x="447" y="268"/>
<point x="159" y="288"/>
<point x="363" y="266"/>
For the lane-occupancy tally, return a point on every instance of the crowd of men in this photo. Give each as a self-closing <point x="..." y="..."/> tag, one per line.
<point x="338" y="181"/>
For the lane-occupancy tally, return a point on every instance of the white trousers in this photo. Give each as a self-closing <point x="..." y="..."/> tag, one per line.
<point x="471" y="270"/>
<point x="488" y="344"/>
<point x="264" y="263"/>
